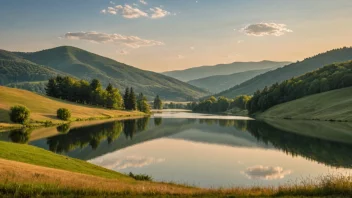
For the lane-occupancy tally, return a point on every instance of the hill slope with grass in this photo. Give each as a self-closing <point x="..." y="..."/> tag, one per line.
<point x="44" y="108"/>
<point x="222" y="69"/>
<point x="218" y="83"/>
<point x="26" y="171"/>
<point x="289" y="71"/>
<point x="331" y="105"/>
<point x="85" y="65"/>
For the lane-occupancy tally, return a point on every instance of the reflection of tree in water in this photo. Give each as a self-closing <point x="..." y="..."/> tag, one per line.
<point x="94" y="135"/>
<point x="336" y="154"/>
<point x="84" y="136"/>
<point x="63" y="128"/>
<point x="131" y="127"/>
<point x="20" y="135"/>
<point x="158" y="121"/>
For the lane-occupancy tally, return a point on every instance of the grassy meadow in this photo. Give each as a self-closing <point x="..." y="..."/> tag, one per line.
<point x="44" y="108"/>
<point x="333" y="105"/>
<point x="27" y="171"/>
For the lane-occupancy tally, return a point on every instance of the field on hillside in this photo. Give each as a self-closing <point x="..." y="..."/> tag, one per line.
<point x="44" y="108"/>
<point x="333" y="105"/>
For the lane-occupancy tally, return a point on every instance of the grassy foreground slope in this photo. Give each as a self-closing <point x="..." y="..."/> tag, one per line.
<point x="45" y="174"/>
<point x="44" y="108"/>
<point x="331" y="105"/>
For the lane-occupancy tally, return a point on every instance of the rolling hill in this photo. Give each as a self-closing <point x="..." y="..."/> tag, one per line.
<point x="222" y="69"/>
<point x="81" y="64"/>
<point x="218" y="83"/>
<point x="289" y="71"/>
<point x="331" y="105"/>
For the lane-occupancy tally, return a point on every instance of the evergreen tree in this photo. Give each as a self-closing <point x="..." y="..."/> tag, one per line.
<point x="113" y="98"/>
<point x="132" y="100"/>
<point x="126" y="99"/>
<point x="142" y="104"/>
<point x="50" y="88"/>
<point x="158" y="104"/>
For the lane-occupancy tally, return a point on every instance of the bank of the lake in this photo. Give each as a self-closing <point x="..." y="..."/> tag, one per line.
<point x="43" y="109"/>
<point x="333" y="105"/>
<point x="27" y="171"/>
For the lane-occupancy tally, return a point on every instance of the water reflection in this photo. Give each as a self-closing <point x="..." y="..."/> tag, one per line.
<point x="93" y="141"/>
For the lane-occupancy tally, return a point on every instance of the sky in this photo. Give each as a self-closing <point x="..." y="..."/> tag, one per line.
<point x="164" y="35"/>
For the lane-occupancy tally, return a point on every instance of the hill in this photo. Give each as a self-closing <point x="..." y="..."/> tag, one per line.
<point x="44" y="108"/>
<point x="85" y="65"/>
<point x="222" y="69"/>
<point x="331" y="105"/>
<point x="218" y="83"/>
<point x="328" y="78"/>
<point x="289" y="71"/>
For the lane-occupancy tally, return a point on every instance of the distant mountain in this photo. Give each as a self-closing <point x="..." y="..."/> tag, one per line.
<point x="289" y="71"/>
<point x="218" y="83"/>
<point x="85" y="65"/>
<point x="222" y="69"/>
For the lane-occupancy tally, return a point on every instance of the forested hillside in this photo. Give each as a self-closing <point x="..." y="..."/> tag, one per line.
<point x="289" y="71"/>
<point x="328" y="78"/>
<point x="218" y="83"/>
<point x="222" y="69"/>
<point x="75" y="62"/>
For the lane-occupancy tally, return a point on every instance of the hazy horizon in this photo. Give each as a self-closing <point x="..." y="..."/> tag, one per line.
<point x="162" y="36"/>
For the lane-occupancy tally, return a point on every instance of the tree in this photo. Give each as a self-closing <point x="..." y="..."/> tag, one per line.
<point x="51" y="88"/>
<point x="126" y="97"/>
<point x="158" y="104"/>
<point x="63" y="114"/>
<point x="19" y="114"/>
<point x="142" y="104"/>
<point x="132" y="100"/>
<point x="113" y="98"/>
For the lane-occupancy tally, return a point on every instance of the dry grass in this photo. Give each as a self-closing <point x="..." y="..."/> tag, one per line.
<point x="44" y="108"/>
<point x="25" y="179"/>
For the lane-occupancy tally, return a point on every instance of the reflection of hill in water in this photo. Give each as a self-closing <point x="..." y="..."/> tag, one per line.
<point x="93" y="141"/>
<point x="332" y="153"/>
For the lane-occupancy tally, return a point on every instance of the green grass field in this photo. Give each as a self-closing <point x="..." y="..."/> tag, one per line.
<point x="44" y="108"/>
<point x="27" y="171"/>
<point x="333" y="105"/>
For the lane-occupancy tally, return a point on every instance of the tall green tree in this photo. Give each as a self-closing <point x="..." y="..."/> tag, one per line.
<point x="142" y="104"/>
<point x="113" y="98"/>
<point x="126" y="97"/>
<point x="158" y="104"/>
<point x="132" y="100"/>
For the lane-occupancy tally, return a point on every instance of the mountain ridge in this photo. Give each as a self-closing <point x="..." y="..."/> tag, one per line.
<point x="85" y="65"/>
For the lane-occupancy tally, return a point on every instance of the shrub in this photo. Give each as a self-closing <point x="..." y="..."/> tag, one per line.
<point x="63" y="114"/>
<point x="140" y="177"/>
<point x="19" y="114"/>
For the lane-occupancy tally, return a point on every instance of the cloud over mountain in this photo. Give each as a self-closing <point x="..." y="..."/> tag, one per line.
<point x="264" y="29"/>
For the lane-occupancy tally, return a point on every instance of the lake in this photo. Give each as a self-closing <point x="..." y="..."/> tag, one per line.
<point x="203" y="150"/>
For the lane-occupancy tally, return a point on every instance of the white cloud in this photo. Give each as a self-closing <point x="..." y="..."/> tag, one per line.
<point x="263" y="29"/>
<point x="143" y="2"/>
<point x="126" y="162"/>
<point x="180" y="56"/>
<point x="157" y="12"/>
<point x="192" y="48"/>
<point x="240" y="41"/>
<point x="266" y="172"/>
<point x="98" y="37"/>
<point x="126" y="11"/>
<point x="111" y="2"/>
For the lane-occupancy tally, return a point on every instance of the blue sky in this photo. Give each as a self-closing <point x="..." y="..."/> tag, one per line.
<point x="166" y="35"/>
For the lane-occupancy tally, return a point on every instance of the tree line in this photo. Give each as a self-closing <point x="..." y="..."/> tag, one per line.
<point x="334" y="76"/>
<point x="92" y="93"/>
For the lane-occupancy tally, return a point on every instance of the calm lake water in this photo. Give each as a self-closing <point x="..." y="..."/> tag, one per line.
<point x="204" y="150"/>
